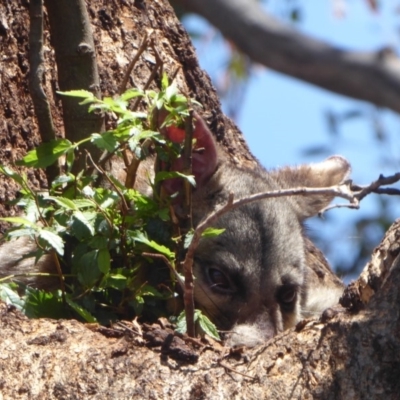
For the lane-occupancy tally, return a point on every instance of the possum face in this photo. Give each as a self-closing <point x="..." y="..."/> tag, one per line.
<point x="254" y="272"/>
<point x="252" y="279"/>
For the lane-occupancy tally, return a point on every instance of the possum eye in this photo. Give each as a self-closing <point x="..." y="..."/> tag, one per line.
<point x="219" y="281"/>
<point x="287" y="295"/>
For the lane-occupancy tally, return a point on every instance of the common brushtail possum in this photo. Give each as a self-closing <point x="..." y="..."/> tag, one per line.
<point x="256" y="278"/>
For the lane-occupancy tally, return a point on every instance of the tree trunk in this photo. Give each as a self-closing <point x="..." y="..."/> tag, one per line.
<point x="348" y="354"/>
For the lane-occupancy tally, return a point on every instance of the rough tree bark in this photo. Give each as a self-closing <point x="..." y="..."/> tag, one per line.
<point x="349" y="354"/>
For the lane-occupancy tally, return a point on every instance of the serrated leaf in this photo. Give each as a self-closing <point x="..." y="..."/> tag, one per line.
<point x="163" y="175"/>
<point x="10" y="296"/>
<point x="188" y="239"/>
<point x="141" y="237"/>
<point x="17" y="177"/>
<point x="87" y="267"/>
<point x="62" y="179"/>
<point x="171" y="91"/>
<point x="53" y="240"/>
<point x="212" y="232"/>
<point x="99" y="242"/>
<point x="20" y="221"/>
<point x="207" y="326"/>
<point x="43" y="304"/>
<point x="46" y="154"/>
<point x="88" y="191"/>
<point x="63" y="202"/>
<point x="116" y="281"/>
<point x="181" y="326"/>
<point x="131" y="93"/>
<point x="84" y="94"/>
<point x="164" y="81"/>
<point x="13" y="234"/>
<point x="82" y="218"/>
<point x="84" y="203"/>
<point x="105" y="141"/>
<point x="148" y="290"/>
<point x="70" y="158"/>
<point x="86" y="315"/>
<point x="104" y="260"/>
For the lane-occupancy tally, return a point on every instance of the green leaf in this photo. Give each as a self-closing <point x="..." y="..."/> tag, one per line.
<point x="13" y="234"/>
<point x="104" y="260"/>
<point x="105" y="141"/>
<point x="181" y="326"/>
<point x="86" y="315"/>
<point x="148" y="290"/>
<point x="188" y="239"/>
<point x="43" y="304"/>
<point x="88" y="191"/>
<point x="116" y="281"/>
<point x="212" y="232"/>
<point x="63" y="202"/>
<point x="163" y="175"/>
<point x="138" y="303"/>
<point x="207" y="326"/>
<point x="17" y="177"/>
<point x="164" y="81"/>
<point x="46" y="154"/>
<point x="84" y="203"/>
<point x="62" y="180"/>
<point x="81" y="217"/>
<point x="84" y="94"/>
<point x="171" y="91"/>
<point x="10" y="296"/>
<point x="20" y="221"/>
<point x="131" y="93"/>
<point x="99" y="242"/>
<point x="141" y="237"/>
<point x="87" y="268"/>
<point x="53" y="240"/>
<point x="70" y="158"/>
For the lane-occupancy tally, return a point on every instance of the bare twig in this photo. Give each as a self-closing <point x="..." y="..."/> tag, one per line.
<point x="133" y="166"/>
<point x="141" y="49"/>
<point x="188" y="297"/>
<point x="125" y="207"/>
<point x="159" y="65"/>
<point x="61" y="276"/>
<point x="222" y="364"/>
<point x="375" y="187"/>
<point x="170" y="266"/>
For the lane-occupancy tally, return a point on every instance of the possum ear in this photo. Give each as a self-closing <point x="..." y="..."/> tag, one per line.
<point x="204" y="155"/>
<point x="332" y="171"/>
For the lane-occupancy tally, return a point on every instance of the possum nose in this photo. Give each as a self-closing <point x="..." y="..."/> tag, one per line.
<point x="252" y="334"/>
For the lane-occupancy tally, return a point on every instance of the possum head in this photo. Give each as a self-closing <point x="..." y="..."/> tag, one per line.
<point x="252" y="279"/>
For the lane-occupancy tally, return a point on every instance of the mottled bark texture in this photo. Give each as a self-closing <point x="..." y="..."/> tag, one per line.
<point x="347" y="355"/>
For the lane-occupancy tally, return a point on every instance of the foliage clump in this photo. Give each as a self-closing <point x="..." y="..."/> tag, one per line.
<point x="114" y="246"/>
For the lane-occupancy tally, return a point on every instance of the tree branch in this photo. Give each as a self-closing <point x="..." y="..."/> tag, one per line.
<point x="72" y="39"/>
<point x="36" y="64"/>
<point x="369" y="76"/>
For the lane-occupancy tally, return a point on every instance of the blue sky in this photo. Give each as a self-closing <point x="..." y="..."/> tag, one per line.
<point x="282" y="116"/>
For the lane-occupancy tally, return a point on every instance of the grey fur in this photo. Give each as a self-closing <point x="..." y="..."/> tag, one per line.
<point x="262" y="252"/>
